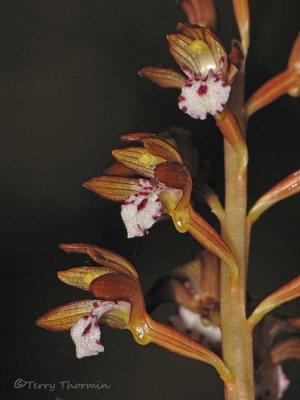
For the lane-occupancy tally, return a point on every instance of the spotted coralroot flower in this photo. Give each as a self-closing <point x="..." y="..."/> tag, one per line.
<point x="164" y="185"/>
<point x="114" y="308"/>
<point x="191" y="324"/>
<point x="120" y="304"/>
<point x="86" y="332"/>
<point x="209" y="71"/>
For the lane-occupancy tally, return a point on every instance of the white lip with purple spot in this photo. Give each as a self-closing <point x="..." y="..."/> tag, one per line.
<point x="86" y="332"/>
<point x="140" y="212"/>
<point x="200" y="97"/>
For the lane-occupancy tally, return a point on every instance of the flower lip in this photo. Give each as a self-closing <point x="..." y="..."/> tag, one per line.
<point x="200" y="97"/>
<point x="86" y="331"/>
<point x="139" y="212"/>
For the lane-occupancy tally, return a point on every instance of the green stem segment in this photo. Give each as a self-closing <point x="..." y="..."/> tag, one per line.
<point x="237" y="346"/>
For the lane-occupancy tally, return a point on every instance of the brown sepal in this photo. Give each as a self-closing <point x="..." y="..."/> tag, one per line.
<point x="163" y="77"/>
<point x="115" y="188"/>
<point x="64" y="317"/>
<point x="103" y="257"/>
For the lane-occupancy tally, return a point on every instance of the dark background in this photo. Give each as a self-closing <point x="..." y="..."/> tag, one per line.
<point x="68" y="89"/>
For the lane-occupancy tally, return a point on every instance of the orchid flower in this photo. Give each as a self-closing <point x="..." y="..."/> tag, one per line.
<point x="119" y="304"/>
<point x="209" y="71"/>
<point x="163" y="188"/>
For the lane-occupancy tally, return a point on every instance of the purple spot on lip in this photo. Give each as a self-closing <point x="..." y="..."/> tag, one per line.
<point x="126" y="202"/>
<point x="202" y="90"/>
<point x="181" y="98"/>
<point x="85" y="317"/>
<point x="95" y="304"/>
<point x="184" y="109"/>
<point x="142" y="205"/>
<point x="87" y="329"/>
<point x="145" y="193"/>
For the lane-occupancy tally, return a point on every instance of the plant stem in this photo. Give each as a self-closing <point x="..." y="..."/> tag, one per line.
<point x="236" y="333"/>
